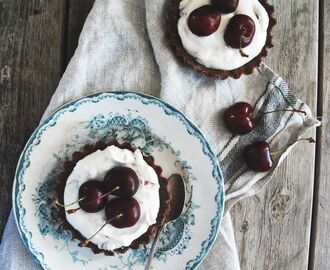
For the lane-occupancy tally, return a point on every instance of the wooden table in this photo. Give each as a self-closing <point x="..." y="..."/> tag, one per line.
<point x="286" y="226"/>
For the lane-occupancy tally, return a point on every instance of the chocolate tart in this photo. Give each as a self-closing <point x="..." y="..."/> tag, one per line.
<point x="173" y="15"/>
<point x="163" y="193"/>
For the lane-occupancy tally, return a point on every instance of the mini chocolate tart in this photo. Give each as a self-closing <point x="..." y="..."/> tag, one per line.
<point x="173" y="16"/>
<point x="163" y="195"/>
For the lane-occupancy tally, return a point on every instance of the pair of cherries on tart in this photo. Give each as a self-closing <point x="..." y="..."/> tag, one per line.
<point x="123" y="210"/>
<point x="206" y="19"/>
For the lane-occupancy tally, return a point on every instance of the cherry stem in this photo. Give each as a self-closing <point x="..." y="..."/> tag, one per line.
<point x="85" y="242"/>
<point x="108" y="193"/>
<point x="71" y="211"/>
<point x="243" y="54"/>
<point x="282" y="150"/>
<point x="284" y="110"/>
<point x="62" y="205"/>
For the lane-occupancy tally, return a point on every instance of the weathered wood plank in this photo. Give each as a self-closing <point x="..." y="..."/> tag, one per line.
<point x="78" y="11"/>
<point x="273" y="228"/>
<point x="320" y="254"/>
<point x="30" y="68"/>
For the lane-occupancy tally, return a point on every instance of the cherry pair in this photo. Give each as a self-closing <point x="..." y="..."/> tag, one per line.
<point x="206" y="19"/>
<point x="239" y="119"/>
<point x="122" y="211"/>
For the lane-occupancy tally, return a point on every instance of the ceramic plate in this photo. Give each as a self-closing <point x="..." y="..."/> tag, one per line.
<point x="161" y="130"/>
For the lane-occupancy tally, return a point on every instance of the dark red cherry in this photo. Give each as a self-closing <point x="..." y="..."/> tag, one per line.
<point x="226" y="6"/>
<point x="90" y="194"/>
<point x="124" y="178"/>
<point x="204" y="20"/>
<point x="124" y="212"/>
<point x="239" y="118"/>
<point x="240" y="31"/>
<point x="258" y="157"/>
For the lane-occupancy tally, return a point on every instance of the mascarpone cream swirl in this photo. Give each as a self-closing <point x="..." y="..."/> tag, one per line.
<point x="95" y="166"/>
<point x="212" y="51"/>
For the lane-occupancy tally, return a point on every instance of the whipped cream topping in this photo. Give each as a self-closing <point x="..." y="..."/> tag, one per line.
<point x="95" y="166"/>
<point x="212" y="51"/>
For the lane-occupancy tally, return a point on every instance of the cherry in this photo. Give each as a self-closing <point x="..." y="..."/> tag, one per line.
<point x="120" y="213"/>
<point x="259" y="158"/>
<point x="239" y="32"/>
<point x="92" y="192"/>
<point x="127" y="211"/>
<point x="239" y="118"/>
<point x="92" y="197"/>
<point x="204" y="20"/>
<point x="124" y="178"/>
<point x="226" y="6"/>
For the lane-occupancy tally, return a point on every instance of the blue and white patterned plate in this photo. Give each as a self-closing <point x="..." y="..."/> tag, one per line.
<point x="149" y="123"/>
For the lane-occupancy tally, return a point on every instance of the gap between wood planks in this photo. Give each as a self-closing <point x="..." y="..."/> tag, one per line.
<point x="320" y="89"/>
<point x="65" y="31"/>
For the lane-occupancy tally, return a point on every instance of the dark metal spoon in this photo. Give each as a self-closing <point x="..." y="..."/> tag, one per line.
<point x="177" y="190"/>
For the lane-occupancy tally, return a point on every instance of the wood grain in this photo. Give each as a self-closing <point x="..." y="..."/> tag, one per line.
<point x="273" y="228"/>
<point x="30" y="68"/>
<point x="320" y="249"/>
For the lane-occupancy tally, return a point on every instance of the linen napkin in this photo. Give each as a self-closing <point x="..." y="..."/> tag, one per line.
<point x="123" y="47"/>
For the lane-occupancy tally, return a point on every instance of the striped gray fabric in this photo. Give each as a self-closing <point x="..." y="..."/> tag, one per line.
<point x="123" y="47"/>
<point x="270" y="127"/>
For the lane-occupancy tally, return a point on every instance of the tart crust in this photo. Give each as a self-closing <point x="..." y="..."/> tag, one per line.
<point x="173" y="15"/>
<point x="163" y="193"/>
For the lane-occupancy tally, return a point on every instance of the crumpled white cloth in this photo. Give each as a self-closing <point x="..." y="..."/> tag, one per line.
<point x="123" y="47"/>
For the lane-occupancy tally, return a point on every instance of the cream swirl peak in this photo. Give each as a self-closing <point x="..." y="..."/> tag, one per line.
<point x="95" y="166"/>
<point x="212" y="51"/>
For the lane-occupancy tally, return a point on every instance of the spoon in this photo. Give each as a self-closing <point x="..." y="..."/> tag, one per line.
<point x="177" y="191"/>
